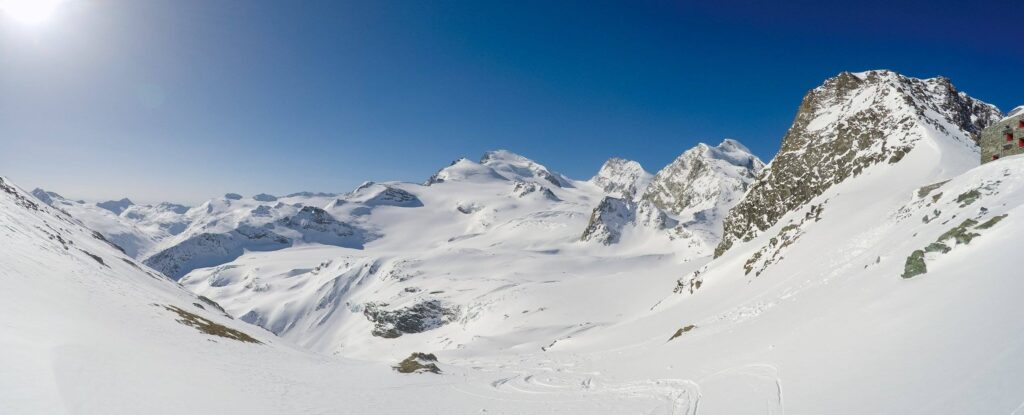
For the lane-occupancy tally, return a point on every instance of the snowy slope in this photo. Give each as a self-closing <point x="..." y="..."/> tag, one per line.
<point x="86" y="326"/>
<point x="818" y="298"/>
<point x="880" y="287"/>
<point x="816" y="316"/>
<point x="829" y="325"/>
<point x="850" y="124"/>
<point x="87" y="330"/>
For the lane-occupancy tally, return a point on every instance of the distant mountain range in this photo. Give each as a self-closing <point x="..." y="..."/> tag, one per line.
<point x="862" y="270"/>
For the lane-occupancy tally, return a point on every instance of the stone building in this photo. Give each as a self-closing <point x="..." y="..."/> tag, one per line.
<point x="1004" y="138"/>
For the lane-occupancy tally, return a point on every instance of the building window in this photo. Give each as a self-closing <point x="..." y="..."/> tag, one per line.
<point x="1020" y="142"/>
<point x="1021" y="125"/>
<point x="995" y="157"/>
<point x="1009" y="137"/>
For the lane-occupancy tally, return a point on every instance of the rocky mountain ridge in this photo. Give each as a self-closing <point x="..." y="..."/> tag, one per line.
<point x="847" y="125"/>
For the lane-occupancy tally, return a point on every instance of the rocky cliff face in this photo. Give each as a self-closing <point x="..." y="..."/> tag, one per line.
<point x="691" y="195"/>
<point x="848" y="124"/>
<point x="611" y="217"/>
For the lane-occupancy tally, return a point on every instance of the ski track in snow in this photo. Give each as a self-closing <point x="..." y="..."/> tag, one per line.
<point x="661" y="396"/>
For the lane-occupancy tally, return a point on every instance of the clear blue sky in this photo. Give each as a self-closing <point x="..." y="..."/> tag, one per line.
<point x="183" y="100"/>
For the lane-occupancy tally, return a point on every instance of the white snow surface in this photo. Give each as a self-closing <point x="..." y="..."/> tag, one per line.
<point x="546" y="324"/>
<point x="814" y="315"/>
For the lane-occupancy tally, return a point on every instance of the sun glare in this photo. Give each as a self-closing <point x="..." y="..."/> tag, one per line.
<point x="30" y="12"/>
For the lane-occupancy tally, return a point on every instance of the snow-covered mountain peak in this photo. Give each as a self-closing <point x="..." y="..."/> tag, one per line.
<point x="116" y="206"/>
<point x="730" y="151"/>
<point x="622" y="178"/>
<point x="516" y="167"/>
<point x="855" y="121"/>
<point x="503" y="156"/>
<point x="464" y="169"/>
<point x="934" y="101"/>
<point x="704" y="179"/>
<point x="46" y="196"/>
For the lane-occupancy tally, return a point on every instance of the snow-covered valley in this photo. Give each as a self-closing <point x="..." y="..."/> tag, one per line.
<point x="860" y="271"/>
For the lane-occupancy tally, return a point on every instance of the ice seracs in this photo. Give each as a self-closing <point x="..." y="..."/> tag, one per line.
<point x="528" y="189"/>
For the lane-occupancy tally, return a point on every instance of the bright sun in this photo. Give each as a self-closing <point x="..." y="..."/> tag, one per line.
<point x="31" y="12"/>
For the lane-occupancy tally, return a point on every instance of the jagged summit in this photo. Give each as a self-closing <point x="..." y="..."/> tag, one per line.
<point x="622" y="178"/>
<point x="708" y="179"/>
<point x="850" y="123"/>
<point x="733" y="152"/>
<point x="690" y="196"/>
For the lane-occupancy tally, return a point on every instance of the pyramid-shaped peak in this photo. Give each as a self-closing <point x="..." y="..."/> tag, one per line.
<point x="732" y="145"/>
<point x="618" y="163"/>
<point x="621" y="177"/>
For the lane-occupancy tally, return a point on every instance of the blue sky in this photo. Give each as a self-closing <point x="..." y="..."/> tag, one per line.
<point x="183" y="100"/>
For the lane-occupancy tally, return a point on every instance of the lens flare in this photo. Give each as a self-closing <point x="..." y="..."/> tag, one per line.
<point x="30" y="12"/>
